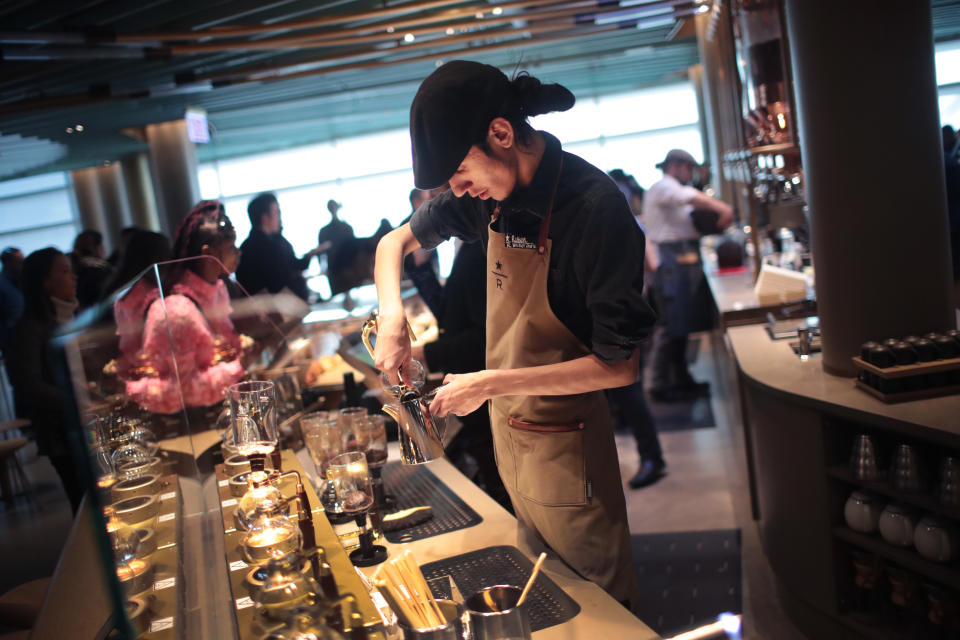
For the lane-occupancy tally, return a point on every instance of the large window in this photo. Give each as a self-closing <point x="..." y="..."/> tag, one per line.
<point x="37" y="212"/>
<point x="371" y="175"/>
<point x="948" y="82"/>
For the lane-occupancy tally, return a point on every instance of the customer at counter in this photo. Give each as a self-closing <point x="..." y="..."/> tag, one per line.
<point x="193" y="321"/>
<point x="667" y="209"/>
<point x="50" y="301"/>
<point x="565" y="311"/>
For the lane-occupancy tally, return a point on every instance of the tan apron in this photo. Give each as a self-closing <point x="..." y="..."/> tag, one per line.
<point x="556" y="454"/>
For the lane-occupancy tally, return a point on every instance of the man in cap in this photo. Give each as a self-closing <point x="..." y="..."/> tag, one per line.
<point x="667" y="209"/>
<point x="565" y="310"/>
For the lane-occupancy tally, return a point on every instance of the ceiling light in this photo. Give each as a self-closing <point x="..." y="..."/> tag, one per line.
<point x="451" y="31"/>
<point x="497" y="11"/>
<point x="69" y="129"/>
<point x="703" y="9"/>
<point x="438" y="63"/>
<point x="79" y="127"/>
<point x="390" y="29"/>
<point x="479" y="15"/>
<point x="409" y="37"/>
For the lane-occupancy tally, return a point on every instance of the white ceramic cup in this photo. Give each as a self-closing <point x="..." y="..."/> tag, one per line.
<point x="934" y="539"/>
<point x="862" y="512"/>
<point x="897" y="525"/>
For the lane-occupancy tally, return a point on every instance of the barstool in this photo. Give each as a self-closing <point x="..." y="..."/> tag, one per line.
<point x="10" y="469"/>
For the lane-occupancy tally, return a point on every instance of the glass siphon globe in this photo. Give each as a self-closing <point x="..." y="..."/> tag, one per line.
<point x="260" y="493"/>
<point x="304" y="623"/>
<point x="124" y="541"/>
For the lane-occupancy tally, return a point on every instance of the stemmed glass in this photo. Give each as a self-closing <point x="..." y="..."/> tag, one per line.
<point x="253" y="412"/>
<point x="350" y="476"/>
<point x="350" y="417"/>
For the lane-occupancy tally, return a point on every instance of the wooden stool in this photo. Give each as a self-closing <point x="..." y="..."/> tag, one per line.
<point x="10" y="468"/>
<point x="19" y="606"/>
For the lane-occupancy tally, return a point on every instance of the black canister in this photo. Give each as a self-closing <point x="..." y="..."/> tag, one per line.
<point x="953" y="333"/>
<point x="889" y="342"/>
<point x="865" y="349"/>
<point x="904" y="353"/>
<point x="926" y="350"/>
<point x="883" y="357"/>
<point x="947" y="347"/>
<point x="912" y="339"/>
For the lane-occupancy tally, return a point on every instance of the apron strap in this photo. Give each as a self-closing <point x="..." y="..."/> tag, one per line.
<point x="545" y="223"/>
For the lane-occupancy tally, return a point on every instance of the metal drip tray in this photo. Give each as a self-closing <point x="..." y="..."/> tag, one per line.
<point x="549" y="604"/>
<point x="416" y="486"/>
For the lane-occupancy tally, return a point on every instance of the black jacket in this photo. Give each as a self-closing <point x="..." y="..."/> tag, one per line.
<point x="268" y="263"/>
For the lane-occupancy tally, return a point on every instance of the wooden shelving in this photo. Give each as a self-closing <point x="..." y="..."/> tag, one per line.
<point x="783" y="147"/>
<point x="922" y="501"/>
<point x="945" y="574"/>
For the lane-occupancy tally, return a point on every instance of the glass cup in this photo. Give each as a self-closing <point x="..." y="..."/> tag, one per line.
<point x="906" y="473"/>
<point x="864" y="459"/>
<point x="323" y="438"/>
<point x="371" y="434"/>
<point x="349" y="417"/>
<point x="494" y="614"/>
<point x="253" y="411"/>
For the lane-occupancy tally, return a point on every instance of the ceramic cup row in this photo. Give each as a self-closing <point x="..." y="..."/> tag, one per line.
<point x="901" y="526"/>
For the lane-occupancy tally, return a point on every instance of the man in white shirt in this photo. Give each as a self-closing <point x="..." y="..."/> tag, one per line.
<point x="667" y="208"/>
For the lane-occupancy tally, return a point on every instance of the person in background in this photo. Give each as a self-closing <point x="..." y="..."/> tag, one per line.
<point x="335" y="233"/>
<point x="951" y="164"/>
<point x="116" y="257"/>
<point x="88" y="263"/>
<point x="11" y="298"/>
<point x="193" y="322"/>
<point x="629" y="403"/>
<point x="267" y="261"/>
<point x="50" y="301"/>
<point x="667" y="208"/>
<point x="144" y="248"/>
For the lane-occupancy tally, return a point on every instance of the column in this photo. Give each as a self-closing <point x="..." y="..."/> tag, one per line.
<point x="138" y="184"/>
<point x="869" y="131"/>
<point x="116" y="211"/>
<point x="86" y="188"/>
<point x="173" y="161"/>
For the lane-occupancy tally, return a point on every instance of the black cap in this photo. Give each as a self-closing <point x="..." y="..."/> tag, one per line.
<point x="450" y="113"/>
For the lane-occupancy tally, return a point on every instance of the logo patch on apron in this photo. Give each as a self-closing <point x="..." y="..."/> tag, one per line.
<point x="511" y="241"/>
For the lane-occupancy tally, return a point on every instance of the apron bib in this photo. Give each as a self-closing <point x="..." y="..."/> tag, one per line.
<point x="556" y="454"/>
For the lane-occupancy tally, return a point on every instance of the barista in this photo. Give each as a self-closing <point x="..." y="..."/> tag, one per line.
<point x="565" y="311"/>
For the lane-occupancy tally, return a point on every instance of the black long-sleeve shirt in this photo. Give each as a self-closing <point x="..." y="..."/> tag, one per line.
<point x="595" y="284"/>
<point x="267" y="262"/>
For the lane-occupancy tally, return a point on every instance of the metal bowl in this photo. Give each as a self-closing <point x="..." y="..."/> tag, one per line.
<point x="148" y="541"/>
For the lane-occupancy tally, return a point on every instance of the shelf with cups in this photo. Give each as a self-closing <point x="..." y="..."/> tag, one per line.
<point x="920" y="500"/>
<point x="245" y="581"/>
<point x="945" y="574"/>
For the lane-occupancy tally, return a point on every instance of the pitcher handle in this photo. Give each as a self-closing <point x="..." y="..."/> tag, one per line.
<point x="370" y="326"/>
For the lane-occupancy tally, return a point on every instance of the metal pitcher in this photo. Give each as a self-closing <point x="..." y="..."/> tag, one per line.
<point x="420" y="432"/>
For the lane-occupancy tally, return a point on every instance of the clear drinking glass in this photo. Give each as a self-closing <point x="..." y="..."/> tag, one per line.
<point x="349" y="417"/>
<point x="253" y="411"/>
<point x="371" y="434"/>
<point x="323" y="438"/>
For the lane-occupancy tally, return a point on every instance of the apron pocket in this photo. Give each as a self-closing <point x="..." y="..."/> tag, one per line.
<point x="550" y="464"/>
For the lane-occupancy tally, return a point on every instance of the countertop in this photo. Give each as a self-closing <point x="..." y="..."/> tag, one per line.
<point x="773" y="365"/>
<point x="600" y="617"/>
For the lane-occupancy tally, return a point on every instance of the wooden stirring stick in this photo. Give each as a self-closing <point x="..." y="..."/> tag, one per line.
<point x="533" y="576"/>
